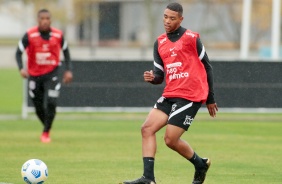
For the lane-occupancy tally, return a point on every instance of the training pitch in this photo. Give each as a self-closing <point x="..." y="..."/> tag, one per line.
<point x="105" y="148"/>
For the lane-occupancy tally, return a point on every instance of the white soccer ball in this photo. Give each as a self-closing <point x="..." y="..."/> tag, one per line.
<point x="34" y="171"/>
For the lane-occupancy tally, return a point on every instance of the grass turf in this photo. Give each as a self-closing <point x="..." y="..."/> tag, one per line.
<point x="11" y="91"/>
<point x="105" y="148"/>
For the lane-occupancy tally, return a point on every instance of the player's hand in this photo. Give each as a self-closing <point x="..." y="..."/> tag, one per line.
<point x="149" y="76"/>
<point x="212" y="108"/>
<point x="24" y="73"/>
<point x="67" y="78"/>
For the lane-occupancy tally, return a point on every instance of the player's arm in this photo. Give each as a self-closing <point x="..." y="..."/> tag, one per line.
<point x="23" y="43"/>
<point x="211" y="105"/>
<point x="158" y="72"/>
<point x="67" y="78"/>
<point x="205" y="60"/>
<point x="66" y="52"/>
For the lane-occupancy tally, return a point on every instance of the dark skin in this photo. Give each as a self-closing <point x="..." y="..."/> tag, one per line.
<point x="157" y="119"/>
<point x="172" y="21"/>
<point x="44" y="25"/>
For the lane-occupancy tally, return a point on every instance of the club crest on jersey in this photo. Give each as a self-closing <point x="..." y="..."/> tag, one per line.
<point x="188" y="120"/>
<point x="45" y="47"/>
<point x="173" y="54"/>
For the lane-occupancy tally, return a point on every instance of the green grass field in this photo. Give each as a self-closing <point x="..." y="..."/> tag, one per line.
<point x="95" y="148"/>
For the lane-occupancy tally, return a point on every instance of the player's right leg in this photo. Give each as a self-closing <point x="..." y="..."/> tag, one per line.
<point x="155" y="120"/>
<point x="36" y="93"/>
<point x="153" y="123"/>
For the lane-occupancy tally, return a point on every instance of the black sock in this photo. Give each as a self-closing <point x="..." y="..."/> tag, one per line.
<point x="49" y="117"/>
<point x="197" y="161"/>
<point x="149" y="168"/>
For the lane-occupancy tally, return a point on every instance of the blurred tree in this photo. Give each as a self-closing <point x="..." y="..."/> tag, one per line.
<point x="86" y="18"/>
<point x="56" y="7"/>
<point x="227" y="15"/>
<point x="260" y="18"/>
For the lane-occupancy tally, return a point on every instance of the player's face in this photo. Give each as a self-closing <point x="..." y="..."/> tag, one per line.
<point x="172" y="20"/>
<point x="44" y="21"/>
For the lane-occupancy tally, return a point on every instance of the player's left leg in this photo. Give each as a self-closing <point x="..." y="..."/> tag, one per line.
<point x="183" y="148"/>
<point x="180" y="119"/>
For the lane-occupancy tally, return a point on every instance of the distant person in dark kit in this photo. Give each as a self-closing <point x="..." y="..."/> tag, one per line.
<point x="43" y="45"/>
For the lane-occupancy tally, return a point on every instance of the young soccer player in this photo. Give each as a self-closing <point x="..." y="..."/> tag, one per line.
<point x="180" y="59"/>
<point x="43" y="44"/>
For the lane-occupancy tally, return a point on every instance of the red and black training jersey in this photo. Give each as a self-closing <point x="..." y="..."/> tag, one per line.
<point x="43" y="55"/>
<point x="43" y="51"/>
<point x="180" y="57"/>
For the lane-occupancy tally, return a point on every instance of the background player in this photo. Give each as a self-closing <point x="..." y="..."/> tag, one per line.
<point x="43" y="45"/>
<point x="181" y="59"/>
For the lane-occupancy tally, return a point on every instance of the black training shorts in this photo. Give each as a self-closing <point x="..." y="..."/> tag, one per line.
<point x="45" y="86"/>
<point x="181" y="112"/>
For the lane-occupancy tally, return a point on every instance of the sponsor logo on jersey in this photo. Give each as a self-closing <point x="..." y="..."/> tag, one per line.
<point x="190" y="34"/>
<point x="179" y="75"/>
<point x="162" y="41"/>
<point x="42" y="59"/>
<point x="173" y="71"/>
<point x="55" y="34"/>
<point x="171" y="49"/>
<point x="173" y="65"/>
<point x="36" y="34"/>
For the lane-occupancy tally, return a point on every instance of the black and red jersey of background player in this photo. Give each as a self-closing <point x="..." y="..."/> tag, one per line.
<point x="43" y="51"/>
<point x="159" y="65"/>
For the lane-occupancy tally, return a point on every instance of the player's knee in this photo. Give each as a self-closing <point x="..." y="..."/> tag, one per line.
<point x="146" y="130"/>
<point x="169" y="142"/>
<point x="51" y="102"/>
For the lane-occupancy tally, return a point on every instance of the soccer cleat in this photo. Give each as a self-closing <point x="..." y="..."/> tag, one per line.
<point x="141" y="180"/>
<point x="200" y="175"/>
<point x="45" y="138"/>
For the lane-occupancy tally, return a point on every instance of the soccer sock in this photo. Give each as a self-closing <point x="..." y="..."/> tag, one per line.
<point x="49" y="117"/>
<point x="149" y="168"/>
<point x="197" y="161"/>
<point x="40" y="113"/>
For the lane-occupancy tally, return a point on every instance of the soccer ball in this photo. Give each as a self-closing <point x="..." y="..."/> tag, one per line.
<point x="34" y="171"/>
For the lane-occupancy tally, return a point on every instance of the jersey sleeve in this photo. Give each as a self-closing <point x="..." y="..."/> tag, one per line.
<point x="23" y="43"/>
<point x="66" y="52"/>
<point x="158" y="62"/>
<point x="208" y="67"/>
<point x="158" y="66"/>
